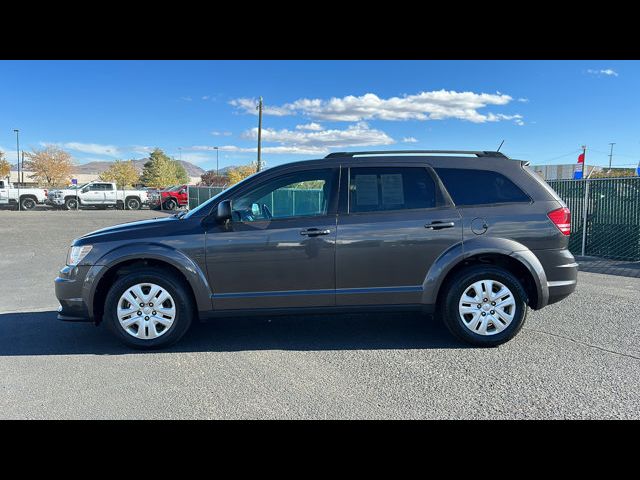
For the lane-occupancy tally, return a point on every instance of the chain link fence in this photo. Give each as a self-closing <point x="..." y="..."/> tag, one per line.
<point x="605" y="216"/>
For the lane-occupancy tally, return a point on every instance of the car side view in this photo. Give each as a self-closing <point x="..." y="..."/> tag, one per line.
<point x="473" y="237"/>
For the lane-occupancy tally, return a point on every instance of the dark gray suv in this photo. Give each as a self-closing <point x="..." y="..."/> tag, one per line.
<point x="474" y="237"/>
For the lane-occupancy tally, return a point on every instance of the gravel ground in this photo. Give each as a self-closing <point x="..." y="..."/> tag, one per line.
<point x="579" y="358"/>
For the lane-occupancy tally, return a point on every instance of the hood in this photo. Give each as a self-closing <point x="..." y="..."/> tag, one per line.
<point x="138" y="229"/>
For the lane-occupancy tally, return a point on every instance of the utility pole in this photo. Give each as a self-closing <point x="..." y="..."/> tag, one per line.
<point x="610" y="156"/>
<point x="259" y="107"/>
<point x="22" y="166"/>
<point x="18" y="161"/>
<point x="217" y="163"/>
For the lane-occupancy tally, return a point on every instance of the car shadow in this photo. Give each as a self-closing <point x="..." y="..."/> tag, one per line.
<point x="40" y="333"/>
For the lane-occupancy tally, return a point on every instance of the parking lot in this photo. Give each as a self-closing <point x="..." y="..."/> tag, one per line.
<point x="579" y="358"/>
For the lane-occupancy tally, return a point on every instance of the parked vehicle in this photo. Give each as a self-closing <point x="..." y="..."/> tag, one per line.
<point x="474" y="237"/>
<point x="28" y="197"/>
<point x="170" y="198"/>
<point x="97" y="194"/>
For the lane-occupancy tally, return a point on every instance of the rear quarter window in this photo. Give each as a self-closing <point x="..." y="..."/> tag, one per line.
<point x="480" y="187"/>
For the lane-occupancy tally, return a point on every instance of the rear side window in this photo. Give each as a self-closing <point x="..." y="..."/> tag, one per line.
<point x="480" y="187"/>
<point x="374" y="189"/>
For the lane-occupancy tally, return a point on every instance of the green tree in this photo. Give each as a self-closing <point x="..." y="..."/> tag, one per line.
<point x="162" y="171"/>
<point x="5" y="167"/>
<point x="123" y="173"/>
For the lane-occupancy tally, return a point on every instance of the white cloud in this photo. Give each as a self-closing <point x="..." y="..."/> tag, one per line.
<point x="433" y="105"/>
<point x="186" y="99"/>
<point x="195" y="157"/>
<point x="409" y="140"/>
<point x="523" y="100"/>
<point x="310" y="126"/>
<point x="91" y="148"/>
<point x="143" y="149"/>
<point x="205" y="97"/>
<point x="607" y="72"/>
<point x="309" y="142"/>
<point x="249" y="105"/>
<point x="224" y="134"/>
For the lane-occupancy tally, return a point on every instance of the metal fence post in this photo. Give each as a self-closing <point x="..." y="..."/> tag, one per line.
<point x="584" y="216"/>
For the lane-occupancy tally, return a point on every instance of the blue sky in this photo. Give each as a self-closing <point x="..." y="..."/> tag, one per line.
<point x="103" y="110"/>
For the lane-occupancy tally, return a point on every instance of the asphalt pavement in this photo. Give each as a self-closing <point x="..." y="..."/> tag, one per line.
<point x="579" y="358"/>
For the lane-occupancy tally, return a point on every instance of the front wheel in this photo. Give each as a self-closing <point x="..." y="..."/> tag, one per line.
<point x="170" y="205"/>
<point x="147" y="309"/>
<point x="484" y="306"/>
<point x="71" y="204"/>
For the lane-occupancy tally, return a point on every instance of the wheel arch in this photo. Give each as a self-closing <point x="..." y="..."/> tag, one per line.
<point x="504" y="253"/>
<point x="124" y="260"/>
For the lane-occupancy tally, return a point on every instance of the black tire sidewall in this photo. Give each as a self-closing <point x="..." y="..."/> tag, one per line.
<point x="170" y="205"/>
<point x="456" y="288"/>
<point x="176" y="289"/>
<point x="68" y="202"/>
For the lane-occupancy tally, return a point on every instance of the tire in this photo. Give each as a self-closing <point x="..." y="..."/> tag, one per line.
<point x="179" y="299"/>
<point x="170" y="205"/>
<point x="71" y="203"/>
<point x="132" y="203"/>
<point x="487" y="334"/>
<point x="28" y="203"/>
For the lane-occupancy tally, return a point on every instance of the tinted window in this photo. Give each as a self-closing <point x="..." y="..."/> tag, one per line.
<point x="480" y="187"/>
<point x="295" y="195"/>
<point x="375" y="189"/>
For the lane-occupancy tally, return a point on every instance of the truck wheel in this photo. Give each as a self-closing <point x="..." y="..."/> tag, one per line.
<point x="170" y="205"/>
<point x="27" y="203"/>
<point x="148" y="309"/>
<point x="133" y="203"/>
<point x="71" y="204"/>
<point x="484" y="306"/>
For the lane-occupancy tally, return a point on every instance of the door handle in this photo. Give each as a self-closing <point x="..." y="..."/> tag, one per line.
<point x="437" y="225"/>
<point x="313" y="232"/>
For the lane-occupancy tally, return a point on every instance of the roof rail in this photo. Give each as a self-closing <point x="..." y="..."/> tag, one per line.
<point x="395" y="152"/>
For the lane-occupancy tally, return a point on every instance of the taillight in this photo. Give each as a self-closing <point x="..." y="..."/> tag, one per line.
<point x="46" y="192"/>
<point x="561" y="219"/>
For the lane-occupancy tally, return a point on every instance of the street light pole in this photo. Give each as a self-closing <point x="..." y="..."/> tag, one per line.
<point x="18" y="161"/>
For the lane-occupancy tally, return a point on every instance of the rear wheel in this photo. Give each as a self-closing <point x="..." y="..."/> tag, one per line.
<point x="484" y="306"/>
<point x="133" y="203"/>
<point x="148" y="309"/>
<point x="28" y="203"/>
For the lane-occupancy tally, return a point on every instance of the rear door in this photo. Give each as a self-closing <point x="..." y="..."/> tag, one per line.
<point x="109" y="193"/>
<point x="394" y="223"/>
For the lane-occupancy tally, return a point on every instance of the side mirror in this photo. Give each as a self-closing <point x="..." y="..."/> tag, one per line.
<point x="224" y="211"/>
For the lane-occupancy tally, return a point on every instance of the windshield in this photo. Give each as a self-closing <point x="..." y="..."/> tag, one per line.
<point x="173" y="189"/>
<point x="203" y="207"/>
<point x="73" y="187"/>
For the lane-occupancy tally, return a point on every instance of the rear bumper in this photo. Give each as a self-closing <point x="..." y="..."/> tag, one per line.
<point x="561" y="270"/>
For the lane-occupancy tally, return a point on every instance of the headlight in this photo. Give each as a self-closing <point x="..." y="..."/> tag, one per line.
<point x="76" y="254"/>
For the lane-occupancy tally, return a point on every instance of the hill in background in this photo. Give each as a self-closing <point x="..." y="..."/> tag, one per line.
<point x="94" y="168"/>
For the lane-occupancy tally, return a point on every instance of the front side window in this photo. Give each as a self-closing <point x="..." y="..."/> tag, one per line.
<point x="373" y="189"/>
<point x="479" y="187"/>
<point x="300" y="194"/>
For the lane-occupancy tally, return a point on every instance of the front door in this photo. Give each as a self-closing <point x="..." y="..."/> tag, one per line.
<point x="92" y="194"/>
<point x="394" y="223"/>
<point x="278" y="251"/>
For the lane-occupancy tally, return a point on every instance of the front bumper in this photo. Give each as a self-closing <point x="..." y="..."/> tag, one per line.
<point x="68" y="288"/>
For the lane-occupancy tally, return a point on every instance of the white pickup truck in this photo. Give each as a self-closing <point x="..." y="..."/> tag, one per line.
<point x="97" y="194"/>
<point x="28" y="197"/>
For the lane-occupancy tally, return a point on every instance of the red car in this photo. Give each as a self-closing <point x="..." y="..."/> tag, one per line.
<point x="170" y="198"/>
